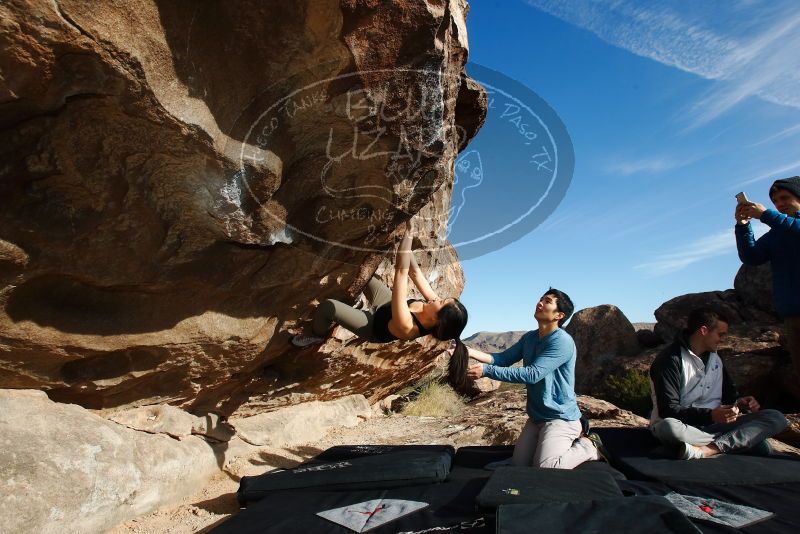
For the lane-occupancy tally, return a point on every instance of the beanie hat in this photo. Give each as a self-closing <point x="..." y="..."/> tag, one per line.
<point x="791" y="185"/>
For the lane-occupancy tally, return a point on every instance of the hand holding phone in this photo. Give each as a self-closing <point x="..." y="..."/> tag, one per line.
<point x="741" y="200"/>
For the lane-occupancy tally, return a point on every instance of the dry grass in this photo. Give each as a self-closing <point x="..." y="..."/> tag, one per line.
<point x="435" y="400"/>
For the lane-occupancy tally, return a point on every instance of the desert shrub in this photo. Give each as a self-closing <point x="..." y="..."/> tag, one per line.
<point x="435" y="400"/>
<point x="630" y="391"/>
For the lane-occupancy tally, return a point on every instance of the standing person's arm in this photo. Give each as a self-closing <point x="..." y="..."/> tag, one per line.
<point x="557" y="352"/>
<point x="508" y="357"/>
<point x="751" y="251"/>
<point x="783" y="223"/>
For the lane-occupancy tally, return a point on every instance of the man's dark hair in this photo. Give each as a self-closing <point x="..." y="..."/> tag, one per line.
<point x="707" y="317"/>
<point x="563" y="304"/>
<point x="791" y="184"/>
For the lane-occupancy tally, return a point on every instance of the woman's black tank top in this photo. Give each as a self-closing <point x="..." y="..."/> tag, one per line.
<point x="380" y="323"/>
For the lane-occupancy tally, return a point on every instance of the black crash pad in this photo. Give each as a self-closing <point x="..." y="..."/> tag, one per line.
<point x="451" y="508"/>
<point x="636" y="453"/>
<point x="650" y="514"/>
<point x="393" y="469"/>
<point x="515" y="485"/>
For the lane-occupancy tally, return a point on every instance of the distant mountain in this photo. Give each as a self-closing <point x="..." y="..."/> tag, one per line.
<point x="494" y="341"/>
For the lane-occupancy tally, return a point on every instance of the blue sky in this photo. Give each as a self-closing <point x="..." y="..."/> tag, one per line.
<point x="672" y="108"/>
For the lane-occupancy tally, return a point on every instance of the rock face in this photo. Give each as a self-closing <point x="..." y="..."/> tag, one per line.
<point x="303" y="423"/>
<point x="64" y="469"/>
<point x="601" y="334"/>
<point x="753" y="285"/>
<point x="183" y="182"/>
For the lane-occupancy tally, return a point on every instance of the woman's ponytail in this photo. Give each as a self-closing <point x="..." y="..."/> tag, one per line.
<point x="457" y="368"/>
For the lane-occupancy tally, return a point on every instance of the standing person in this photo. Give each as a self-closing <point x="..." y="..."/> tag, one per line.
<point x="695" y="403"/>
<point x="394" y="317"/>
<point x="553" y="435"/>
<point x="781" y="247"/>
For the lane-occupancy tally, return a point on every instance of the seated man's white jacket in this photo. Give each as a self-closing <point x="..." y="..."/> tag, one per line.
<point x="683" y="387"/>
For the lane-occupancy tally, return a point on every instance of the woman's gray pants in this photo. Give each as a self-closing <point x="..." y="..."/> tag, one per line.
<point x="357" y="321"/>
<point x="746" y="432"/>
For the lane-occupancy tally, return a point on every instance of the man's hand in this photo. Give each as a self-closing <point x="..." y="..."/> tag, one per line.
<point x="727" y="413"/>
<point x="753" y="210"/>
<point x="748" y="403"/>
<point x="739" y="215"/>
<point x="475" y="371"/>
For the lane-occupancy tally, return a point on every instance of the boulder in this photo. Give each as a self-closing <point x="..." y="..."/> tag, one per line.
<point x="753" y="285"/>
<point x="672" y="315"/>
<point x="648" y="339"/>
<point x="601" y="334"/>
<point x="302" y="423"/>
<point x="171" y="211"/>
<point x="65" y="469"/>
<point x="166" y="419"/>
<point x="159" y="419"/>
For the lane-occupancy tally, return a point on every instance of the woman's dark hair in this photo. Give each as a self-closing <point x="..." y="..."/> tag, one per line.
<point x="452" y="319"/>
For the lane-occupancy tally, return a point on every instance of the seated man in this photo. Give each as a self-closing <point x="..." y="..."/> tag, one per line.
<point x="695" y="403"/>
<point x="552" y="436"/>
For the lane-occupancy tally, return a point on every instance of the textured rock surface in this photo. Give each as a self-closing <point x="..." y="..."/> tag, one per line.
<point x="160" y="234"/>
<point x="303" y="423"/>
<point x="64" y="469"/>
<point x="601" y="334"/>
<point x="754" y="287"/>
<point x="166" y="419"/>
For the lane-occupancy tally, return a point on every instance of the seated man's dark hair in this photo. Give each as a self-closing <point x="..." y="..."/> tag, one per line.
<point x="563" y="304"/>
<point x="707" y="317"/>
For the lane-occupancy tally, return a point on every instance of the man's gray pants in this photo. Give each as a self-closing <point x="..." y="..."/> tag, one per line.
<point x="746" y="432"/>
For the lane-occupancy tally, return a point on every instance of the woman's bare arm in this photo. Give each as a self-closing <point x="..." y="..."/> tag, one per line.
<point x="475" y="354"/>
<point x="418" y="277"/>
<point x="481" y="356"/>
<point x="402" y="324"/>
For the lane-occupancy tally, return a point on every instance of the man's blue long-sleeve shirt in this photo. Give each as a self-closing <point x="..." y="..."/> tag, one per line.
<point x="548" y="372"/>
<point x="781" y="247"/>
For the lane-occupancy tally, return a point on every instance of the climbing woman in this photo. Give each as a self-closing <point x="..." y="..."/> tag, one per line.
<point x="393" y="317"/>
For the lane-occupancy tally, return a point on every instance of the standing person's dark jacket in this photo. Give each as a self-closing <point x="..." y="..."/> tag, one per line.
<point x="781" y="247"/>
<point x="667" y="379"/>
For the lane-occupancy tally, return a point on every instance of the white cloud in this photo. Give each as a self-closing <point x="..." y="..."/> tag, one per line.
<point x="649" y="166"/>
<point x="722" y="242"/>
<point x="774" y="174"/>
<point x="783" y="134"/>
<point x="749" y="47"/>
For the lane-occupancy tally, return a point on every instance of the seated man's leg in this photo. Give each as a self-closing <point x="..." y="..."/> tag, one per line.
<point x="562" y="447"/>
<point x="750" y="429"/>
<point x="526" y="445"/>
<point x="671" y="431"/>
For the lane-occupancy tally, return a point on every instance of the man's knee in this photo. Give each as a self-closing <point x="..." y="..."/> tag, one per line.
<point x="669" y="430"/>
<point x="550" y="463"/>
<point x="775" y="419"/>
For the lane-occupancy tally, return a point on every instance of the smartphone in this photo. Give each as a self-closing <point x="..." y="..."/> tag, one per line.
<point x="741" y="198"/>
